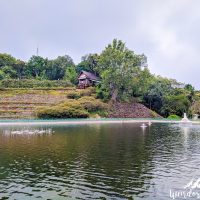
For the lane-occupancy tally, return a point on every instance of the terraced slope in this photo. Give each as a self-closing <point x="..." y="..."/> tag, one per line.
<point x="22" y="104"/>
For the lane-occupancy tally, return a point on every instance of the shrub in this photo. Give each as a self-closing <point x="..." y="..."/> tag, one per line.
<point x="154" y="114"/>
<point x="74" y="109"/>
<point x="91" y="104"/>
<point x="102" y="113"/>
<point x="71" y="103"/>
<point x="174" y="117"/>
<point x="73" y="95"/>
<point x="102" y="93"/>
<point x="87" y="92"/>
<point x="63" y="110"/>
<point x="33" y="83"/>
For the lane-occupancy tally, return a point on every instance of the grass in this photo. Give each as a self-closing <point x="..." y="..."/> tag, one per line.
<point x="14" y="92"/>
<point x="9" y="92"/>
<point x="26" y="107"/>
<point x="25" y="103"/>
<point x="39" y="88"/>
<point x="10" y="111"/>
<point x="16" y="116"/>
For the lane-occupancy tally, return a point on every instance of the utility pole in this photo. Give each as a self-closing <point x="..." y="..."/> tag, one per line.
<point x="37" y="51"/>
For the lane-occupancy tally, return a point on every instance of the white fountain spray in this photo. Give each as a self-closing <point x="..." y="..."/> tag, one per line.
<point x="185" y="120"/>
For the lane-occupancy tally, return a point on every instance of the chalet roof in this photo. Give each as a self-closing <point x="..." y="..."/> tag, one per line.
<point x="90" y="75"/>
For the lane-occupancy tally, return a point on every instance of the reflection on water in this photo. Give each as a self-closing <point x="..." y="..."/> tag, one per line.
<point x="27" y="131"/>
<point x="118" y="161"/>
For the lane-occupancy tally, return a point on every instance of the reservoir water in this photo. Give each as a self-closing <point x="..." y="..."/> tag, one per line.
<point x="99" y="161"/>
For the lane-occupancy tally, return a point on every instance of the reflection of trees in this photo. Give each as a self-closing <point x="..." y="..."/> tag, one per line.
<point x="109" y="159"/>
<point x="121" y="158"/>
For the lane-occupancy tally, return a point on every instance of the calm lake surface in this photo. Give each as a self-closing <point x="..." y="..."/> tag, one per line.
<point x="99" y="161"/>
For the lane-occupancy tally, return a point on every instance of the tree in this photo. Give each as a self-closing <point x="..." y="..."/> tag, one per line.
<point x="191" y="92"/>
<point x="56" y="68"/>
<point x="2" y="75"/>
<point x="154" y="98"/>
<point x="20" y="68"/>
<point x="143" y="61"/>
<point x="88" y="63"/>
<point x="9" y="72"/>
<point x="116" y="66"/>
<point x="189" y="87"/>
<point x="155" y="91"/>
<point x="6" y="60"/>
<point x="71" y="75"/>
<point x="178" y="105"/>
<point x="36" y="66"/>
<point x="142" y="80"/>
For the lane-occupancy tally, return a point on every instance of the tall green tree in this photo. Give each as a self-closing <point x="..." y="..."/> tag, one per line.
<point x="36" y="67"/>
<point x="190" y="92"/>
<point x="117" y="65"/>
<point x="157" y="91"/>
<point x="6" y="60"/>
<point x="88" y="63"/>
<point x="20" y="68"/>
<point x="142" y="80"/>
<point x="9" y="72"/>
<point x="175" y="104"/>
<point x="57" y="68"/>
<point x="71" y="75"/>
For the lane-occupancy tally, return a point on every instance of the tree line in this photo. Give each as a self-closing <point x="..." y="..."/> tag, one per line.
<point x="124" y="77"/>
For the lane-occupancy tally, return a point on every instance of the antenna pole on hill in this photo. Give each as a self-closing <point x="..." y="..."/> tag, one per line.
<point x="37" y="51"/>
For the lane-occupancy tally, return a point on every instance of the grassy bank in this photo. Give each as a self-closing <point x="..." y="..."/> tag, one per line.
<point x="32" y="103"/>
<point x="69" y="102"/>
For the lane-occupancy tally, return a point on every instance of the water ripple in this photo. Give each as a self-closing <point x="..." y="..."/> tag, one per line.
<point x="98" y="162"/>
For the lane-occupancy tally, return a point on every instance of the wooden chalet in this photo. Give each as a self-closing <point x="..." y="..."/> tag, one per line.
<point x="86" y="79"/>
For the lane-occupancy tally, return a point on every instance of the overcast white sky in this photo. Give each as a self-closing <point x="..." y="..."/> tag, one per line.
<point x="167" y="31"/>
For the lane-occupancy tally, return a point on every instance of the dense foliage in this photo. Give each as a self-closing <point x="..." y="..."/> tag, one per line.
<point x="80" y="108"/>
<point x="63" y="110"/>
<point x="124" y="77"/>
<point x="173" y="117"/>
<point x="38" y="68"/>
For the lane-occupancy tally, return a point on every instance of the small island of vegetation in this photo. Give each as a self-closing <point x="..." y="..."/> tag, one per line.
<point x="124" y="87"/>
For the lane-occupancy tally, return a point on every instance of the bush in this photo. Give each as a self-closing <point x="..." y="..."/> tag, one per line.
<point x="72" y="108"/>
<point x="91" y="104"/>
<point x="63" y="110"/>
<point x="33" y="83"/>
<point x="73" y="95"/>
<point x="102" y="113"/>
<point x="154" y="114"/>
<point x="102" y="93"/>
<point x="174" y="117"/>
<point x="87" y="92"/>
